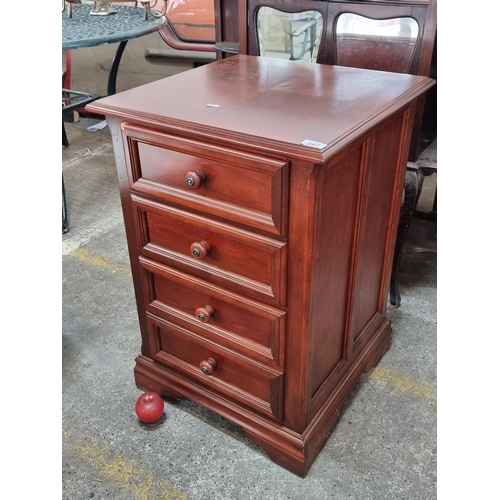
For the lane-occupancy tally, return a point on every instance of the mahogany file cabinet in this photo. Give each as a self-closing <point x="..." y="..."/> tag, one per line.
<point x="261" y="201"/>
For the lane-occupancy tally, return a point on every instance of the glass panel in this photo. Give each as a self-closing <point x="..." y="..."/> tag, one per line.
<point x="284" y="35"/>
<point x="386" y="45"/>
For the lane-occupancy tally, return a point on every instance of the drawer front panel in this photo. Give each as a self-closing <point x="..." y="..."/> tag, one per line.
<point x="237" y="377"/>
<point x="251" y="328"/>
<point x="240" y="260"/>
<point x="236" y="186"/>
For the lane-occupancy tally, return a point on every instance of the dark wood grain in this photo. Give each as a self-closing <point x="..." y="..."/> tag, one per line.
<point x="358" y="52"/>
<point x="241" y="260"/>
<point x="253" y="328"/>
<point x="267" y="104"/>
<point x="242" y="187"/>
<point x="236" y="376"/>
<point x="293" y="299"/>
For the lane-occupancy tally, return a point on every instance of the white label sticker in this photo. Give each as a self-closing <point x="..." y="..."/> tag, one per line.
<point x="313" y="144"/>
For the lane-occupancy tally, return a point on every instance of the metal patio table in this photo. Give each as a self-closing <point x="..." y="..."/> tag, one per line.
<point x="84" y="30"/>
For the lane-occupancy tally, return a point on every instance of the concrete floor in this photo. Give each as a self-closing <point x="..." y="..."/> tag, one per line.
<point x="383" y="446"/>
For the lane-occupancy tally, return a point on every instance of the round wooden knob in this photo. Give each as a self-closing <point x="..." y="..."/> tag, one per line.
<point x="204" y="314"/>
<point x="208" y="366"/>
<point x="194" y="179"/>
<point x="200" y="249"/>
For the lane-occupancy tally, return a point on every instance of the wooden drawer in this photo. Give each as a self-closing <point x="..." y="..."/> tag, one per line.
<point x="237" y="377"/>
<point x="237" y="186"/>
<point x="253" y="329"/>
<point x="241" y="260"/>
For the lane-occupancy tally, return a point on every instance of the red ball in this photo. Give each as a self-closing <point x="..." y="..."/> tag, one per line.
<point x="149" y="407"/>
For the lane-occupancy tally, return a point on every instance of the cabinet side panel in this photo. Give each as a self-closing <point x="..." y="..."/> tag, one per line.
<point x="376" y="222"/>
<point x="333" y="255"/>
<point x="133" y="231"/>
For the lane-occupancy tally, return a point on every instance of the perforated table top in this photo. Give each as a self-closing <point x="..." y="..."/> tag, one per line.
<point x="86" y="30"/>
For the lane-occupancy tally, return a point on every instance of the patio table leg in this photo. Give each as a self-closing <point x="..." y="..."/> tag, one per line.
<point x="65" y="226"/>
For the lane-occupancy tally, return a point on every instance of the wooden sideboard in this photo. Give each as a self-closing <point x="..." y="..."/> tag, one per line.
<point x="261" y="201"/>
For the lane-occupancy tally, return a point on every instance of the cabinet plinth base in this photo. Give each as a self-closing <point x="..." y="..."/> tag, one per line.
<point x="291" y="450"/>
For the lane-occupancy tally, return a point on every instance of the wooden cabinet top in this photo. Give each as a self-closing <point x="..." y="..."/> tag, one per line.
<point x="270" y="103"/>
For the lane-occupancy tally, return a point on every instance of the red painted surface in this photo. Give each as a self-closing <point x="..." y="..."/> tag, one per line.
<point x="192" y="20"/>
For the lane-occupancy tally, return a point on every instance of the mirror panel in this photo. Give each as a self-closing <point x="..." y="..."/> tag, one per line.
<point x="285" y="35"/>
<point x="386" y="45"/>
